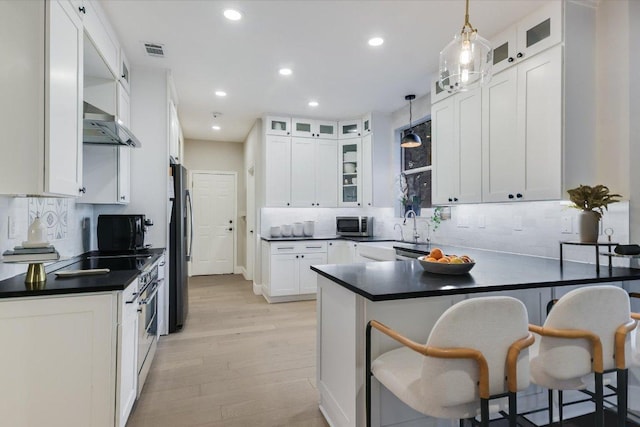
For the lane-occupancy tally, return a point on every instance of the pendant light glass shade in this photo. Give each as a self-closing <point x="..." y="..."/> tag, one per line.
<point x="410" y="140"/>
<point x="465" y="63"/>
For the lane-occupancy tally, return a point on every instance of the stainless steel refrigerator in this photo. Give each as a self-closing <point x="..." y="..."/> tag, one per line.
<point x="180" y="246"/>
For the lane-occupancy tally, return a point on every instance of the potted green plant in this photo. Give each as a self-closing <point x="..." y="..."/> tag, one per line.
<point x="592" y="201"/>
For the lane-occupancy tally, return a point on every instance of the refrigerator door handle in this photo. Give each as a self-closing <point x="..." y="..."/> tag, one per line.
<point x="190" y="225"/>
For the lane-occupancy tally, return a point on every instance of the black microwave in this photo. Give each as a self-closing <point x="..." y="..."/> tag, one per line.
<point x="354" y="226"/>
<point x="121" y="232"/>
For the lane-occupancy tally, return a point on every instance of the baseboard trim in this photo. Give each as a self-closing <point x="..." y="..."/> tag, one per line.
<point x="257" y="289"/>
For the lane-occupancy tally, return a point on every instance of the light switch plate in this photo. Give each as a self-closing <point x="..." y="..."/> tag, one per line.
<point x="11" y="228"/>
<point x="517" y="223"/>
<point x="566" y="225"/>
<point x="481" y="221"/>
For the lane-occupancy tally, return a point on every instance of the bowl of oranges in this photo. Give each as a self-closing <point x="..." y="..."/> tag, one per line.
<point x="439" y="263"/>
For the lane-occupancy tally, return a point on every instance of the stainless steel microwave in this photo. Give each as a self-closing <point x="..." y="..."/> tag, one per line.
<point x="354" y="226"/>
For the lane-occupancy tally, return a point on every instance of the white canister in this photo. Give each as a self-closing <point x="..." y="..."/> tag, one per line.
<point x="286" y="230"/>
<point x="308" y="228"/>
<point x="298" y="229"/>
<point x="275" y="231"/>
<point x="37" y="232"/>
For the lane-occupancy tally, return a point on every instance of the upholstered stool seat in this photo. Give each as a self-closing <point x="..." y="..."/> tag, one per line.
<point x="477" y="350"/>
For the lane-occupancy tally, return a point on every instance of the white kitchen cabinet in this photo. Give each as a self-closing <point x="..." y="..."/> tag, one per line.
<point x="341" y="251"/>
<point x="308" y="128"/>
<point x="278" y="171"/>
<point x="174" y="133"/>
<point x="350" y="154"/>
<point x="107" y="174"/>
<point x="287" y="268"/>
<point x="522" y="131"/>
<point x="61" y="353"/>
<point x="349" y="129"/>
<point x="125" y="71"/>
<point x="326" y="173"/>
<point x="367" y="170"/>
<point x="367" y="126"/>
<point x="437" y="93"/>
<point x="43" y="80"/>
<point x="98" y="28"/>
<point x="279" y="126"/>
<point x="303" y="167"/>
<point x="127" y="365"/>
<point x="535" y="33"/>
<point x="457" y="148"/>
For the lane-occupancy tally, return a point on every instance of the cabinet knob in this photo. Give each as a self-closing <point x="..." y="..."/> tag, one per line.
<point x="251" y="231"/>
<point x="455" y="199"/>
<point x="123" y="76"/>
<point x="82" y="190"/>
<point x="288" y="204"/>
<point x="122" y="197"/>
<point x="288" y="133"/>
<point x="230" y="229"/>
<point x="520" y="55"/>
<point x="369" y="204"/>
<point x="230" y="221"/>
<point x="83" y="10"/>
<point x="358" y="204"/>
<point x="330" y="244"/>
<point x="510" y="59"/>
<point x="450" y="199"/>
<point x="317" y="204"/>
<point x="301" y="256"/>
<point x="296" y="256"/>
<point x="510" y="196"/>
<point x="519" y="196"/>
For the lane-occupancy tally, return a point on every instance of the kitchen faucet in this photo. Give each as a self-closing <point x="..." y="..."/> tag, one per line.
<point x="401" y="233"/>
<point x="416" y="235"/>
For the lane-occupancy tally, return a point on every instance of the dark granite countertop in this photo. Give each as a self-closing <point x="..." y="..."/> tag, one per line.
<point x="494" y="271"/>
<point x="333" y="237"/>
<point x="115" y="280"/>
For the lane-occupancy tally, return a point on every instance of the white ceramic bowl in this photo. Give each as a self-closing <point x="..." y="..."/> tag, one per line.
<point x="443" y="268"/>
<point x="275" y="231"/>
<point x="286" y="230"/>
<point x="309" y="227"/>
<point x="298" y="229"/>
<point x="349" y="168"/>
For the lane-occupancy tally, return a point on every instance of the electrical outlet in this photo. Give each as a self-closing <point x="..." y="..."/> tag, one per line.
<point x="481" y="221"/>
<point x="517" y="223"/>
<point x="566" y="225"/>
<point x="11" y="228"/>
<point x="463" y="221"/>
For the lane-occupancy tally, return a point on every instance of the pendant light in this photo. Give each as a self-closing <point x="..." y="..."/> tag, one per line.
<point x="410" y="140"/>
<point x="465" y="63"/>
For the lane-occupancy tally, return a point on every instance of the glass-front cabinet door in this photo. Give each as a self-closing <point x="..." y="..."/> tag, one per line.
<point x="350" y="173"/>
<point x="350" y="129"/>
<point x="326" y="130"/>
<point x="303" y="128"/>
<point x="540" y="30"/>
<point x="278" y="126"/>
<point x="504" y="49"/>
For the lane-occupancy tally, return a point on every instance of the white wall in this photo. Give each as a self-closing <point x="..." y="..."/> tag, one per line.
<point x="223" y="157"/>
<point x="634" y="125"/>
<point x="64" y="229"/>
<point x="252" y="220"/>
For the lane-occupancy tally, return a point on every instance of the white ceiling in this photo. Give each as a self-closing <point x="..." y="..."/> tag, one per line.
<point x="324" y="42"/>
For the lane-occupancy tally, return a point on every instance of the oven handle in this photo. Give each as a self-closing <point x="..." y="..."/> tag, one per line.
<point x="154" y="292"/>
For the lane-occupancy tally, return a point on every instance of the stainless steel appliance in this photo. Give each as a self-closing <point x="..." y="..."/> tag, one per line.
<point x="354" y="226"/>
<point x="118" y="233"/>
<point x="147" y="322"/>
<point x="180" y="248"/>
<point x="103" y="128"/>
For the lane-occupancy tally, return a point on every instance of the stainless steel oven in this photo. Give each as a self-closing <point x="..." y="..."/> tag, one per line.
<point x="147" y="322"/>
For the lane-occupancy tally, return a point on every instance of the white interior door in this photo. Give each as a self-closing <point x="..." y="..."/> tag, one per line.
<point x="214" y="217"/>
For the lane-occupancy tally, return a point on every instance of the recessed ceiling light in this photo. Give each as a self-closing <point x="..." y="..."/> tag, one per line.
<point x="313" y="103"/>
<point x="215" y="127"/>
<point x="232" y="15"/>
<point x="285" y="71"/>
<point x="376" y="41"/>
<point x="221" y="93"/>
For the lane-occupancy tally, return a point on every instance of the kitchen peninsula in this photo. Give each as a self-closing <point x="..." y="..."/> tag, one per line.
<point x="405" y="297"/>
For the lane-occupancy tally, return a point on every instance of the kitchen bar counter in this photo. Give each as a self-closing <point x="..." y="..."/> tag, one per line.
<point x="403" y="296"/>
<point x="494" y="271"/>
<point x="115" y="280"/>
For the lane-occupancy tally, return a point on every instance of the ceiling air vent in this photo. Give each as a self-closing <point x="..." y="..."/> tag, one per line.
<point x="154" y="49"/>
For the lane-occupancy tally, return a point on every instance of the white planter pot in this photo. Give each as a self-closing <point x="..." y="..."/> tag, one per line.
<point x="588" y="222"/>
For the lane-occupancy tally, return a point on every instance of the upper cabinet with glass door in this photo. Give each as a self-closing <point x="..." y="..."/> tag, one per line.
<point x="308" y="128"/>
<point x="366" y="124"/>
<point x="125" y="77"/>
<point x="537" y="32"/>
<point x="278" y="126"/>
<point x="350" y="129"/>
<point x="350" y="153"/>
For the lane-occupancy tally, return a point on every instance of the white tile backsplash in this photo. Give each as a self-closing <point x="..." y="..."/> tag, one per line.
<point x="531" y="228"/>
<point x="63" y="218"/>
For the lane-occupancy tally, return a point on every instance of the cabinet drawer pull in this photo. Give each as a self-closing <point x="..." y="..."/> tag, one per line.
<point x="313" y="247"/>
<point x="290" y="248"/>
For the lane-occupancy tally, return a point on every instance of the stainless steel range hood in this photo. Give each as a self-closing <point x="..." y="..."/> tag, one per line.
<point x="103" y="128"/>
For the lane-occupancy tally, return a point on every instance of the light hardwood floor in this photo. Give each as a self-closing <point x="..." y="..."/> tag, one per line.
<point x="238" y="362"/>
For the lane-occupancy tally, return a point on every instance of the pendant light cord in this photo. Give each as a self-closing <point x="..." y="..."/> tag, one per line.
<point x="467" y="24"/>
<point x="410" y="117"/>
